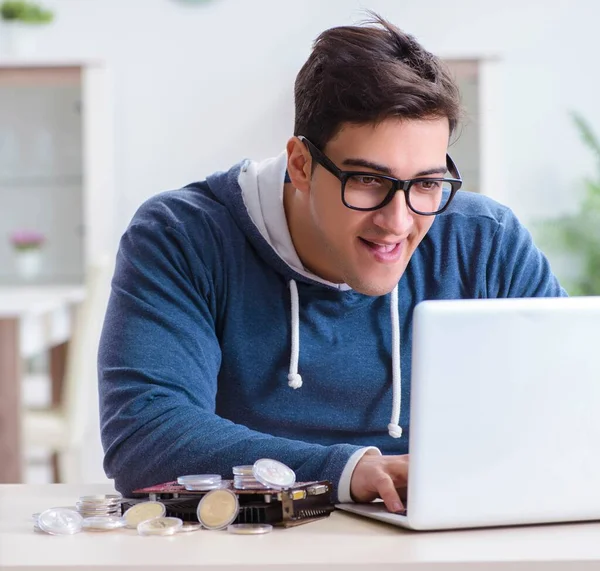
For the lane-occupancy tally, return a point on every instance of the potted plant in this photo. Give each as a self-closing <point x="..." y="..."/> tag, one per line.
<point x="576" y="236"/>
<point x="27" y="246"/>
<point x="20" y="22"/>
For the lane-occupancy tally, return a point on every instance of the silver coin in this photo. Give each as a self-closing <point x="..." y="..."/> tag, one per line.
<point x="273" y="474"/>
<point x="160" y="526"/>
<point x="249" y="528"/>
<point x="98" y="505"/>
<point x="242" y="470"/>
<point x="143" y="511"/>
<point x="199" y="479"/>
<point x="244" y="479"/>
<point x="249" y="486"/>
<point x="205" y="487"/>
<point x="190" y="526"/>
<point x="97" y="508"/>
<point x="102" y="523"/>
<point x="100" y="499"/>
<point x="60" y="521"/>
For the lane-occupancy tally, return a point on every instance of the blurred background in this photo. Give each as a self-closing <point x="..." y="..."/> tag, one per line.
<point x="104" y="103"/>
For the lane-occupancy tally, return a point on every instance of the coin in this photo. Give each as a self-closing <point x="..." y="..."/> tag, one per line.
<point x="138" y="513"/>
<point x="36" y="527"/>
<point x="99" y="505"/>
<point x="247" y="483"/>
<point x="199" y="480"/>
<point x="60" y="521"/>
<point x="254" y="485"/>
<point x="242" y="470"/>
<point x="190" y="526"/>
<point x="204" y="487"/>
<point x="217" y="509"/>
<point x="249" y="528"/>
<point x="102" y="498"/>
<point x="273" y="474"/>
<point x="102" y="523"/>
<point x="160" y="526"/>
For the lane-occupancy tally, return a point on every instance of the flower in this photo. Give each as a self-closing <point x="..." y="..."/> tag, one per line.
<point x="27" y="239"/>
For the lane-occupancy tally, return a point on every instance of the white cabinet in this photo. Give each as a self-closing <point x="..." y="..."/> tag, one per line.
<point x="56" y="164"/>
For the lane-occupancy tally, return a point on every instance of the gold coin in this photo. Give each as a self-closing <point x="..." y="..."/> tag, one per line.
<point x="143" y="511"/>
<point x="218" y="509"/>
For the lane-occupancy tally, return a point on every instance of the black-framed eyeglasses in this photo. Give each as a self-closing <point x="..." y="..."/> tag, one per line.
<point x="368" y="191"/>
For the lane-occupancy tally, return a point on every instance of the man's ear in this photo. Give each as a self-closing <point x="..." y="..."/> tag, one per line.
<point x="299" y="164"/>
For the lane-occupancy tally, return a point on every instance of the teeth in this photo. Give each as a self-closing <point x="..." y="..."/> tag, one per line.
<point x="384" y="247"/>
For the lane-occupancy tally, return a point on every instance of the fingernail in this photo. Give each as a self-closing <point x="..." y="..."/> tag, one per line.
<point x="397" y="507"/>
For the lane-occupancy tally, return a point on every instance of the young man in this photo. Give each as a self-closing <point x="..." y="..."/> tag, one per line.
<point x="267" y="311"/>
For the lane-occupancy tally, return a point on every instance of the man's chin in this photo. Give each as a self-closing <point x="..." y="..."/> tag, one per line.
<point x="374" y="288"/>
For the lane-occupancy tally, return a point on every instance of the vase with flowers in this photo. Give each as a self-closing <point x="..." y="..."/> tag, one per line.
<point x="27" y="246"/>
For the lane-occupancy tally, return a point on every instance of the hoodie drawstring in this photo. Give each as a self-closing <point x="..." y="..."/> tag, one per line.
<point x="295" y="380"/>
<point x="394" y="428"/>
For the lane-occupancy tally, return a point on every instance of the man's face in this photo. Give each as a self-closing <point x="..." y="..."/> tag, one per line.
<point x="369" y="251"/>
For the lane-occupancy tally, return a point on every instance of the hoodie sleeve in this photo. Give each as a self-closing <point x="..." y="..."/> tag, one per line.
<point x="158" y="365"/>
<point x="516" y="267"/>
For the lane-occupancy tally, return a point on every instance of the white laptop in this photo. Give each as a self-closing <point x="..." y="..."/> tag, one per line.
<point x="505" y="414"/>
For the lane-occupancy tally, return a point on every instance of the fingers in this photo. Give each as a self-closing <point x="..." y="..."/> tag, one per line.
<point x="380" y="476"/>
<point x="387" y="492"/>
<point x="397" y="468"/>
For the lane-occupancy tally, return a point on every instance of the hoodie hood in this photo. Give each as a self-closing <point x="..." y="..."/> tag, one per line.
<point x="253" y="193"/>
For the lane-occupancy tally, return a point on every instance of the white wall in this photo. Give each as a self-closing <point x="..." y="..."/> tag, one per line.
<point x="199" y="88"/>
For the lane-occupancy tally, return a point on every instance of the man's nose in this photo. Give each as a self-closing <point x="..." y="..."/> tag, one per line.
<point x="396" y="217"/>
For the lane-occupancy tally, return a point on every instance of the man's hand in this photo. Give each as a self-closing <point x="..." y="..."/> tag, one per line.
<point x="384" y="477"/>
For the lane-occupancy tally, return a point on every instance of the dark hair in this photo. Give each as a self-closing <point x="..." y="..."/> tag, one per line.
<point x="368" y="73"/>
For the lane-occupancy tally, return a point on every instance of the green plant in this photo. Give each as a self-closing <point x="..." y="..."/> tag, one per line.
<point x="27" y="12"/>
<point x="578" y="234"/>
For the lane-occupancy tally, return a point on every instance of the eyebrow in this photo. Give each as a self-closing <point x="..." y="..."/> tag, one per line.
<point x="386" y="170"/>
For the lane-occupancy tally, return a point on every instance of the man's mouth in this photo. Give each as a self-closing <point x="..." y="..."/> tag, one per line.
<point x="384" y="252"/>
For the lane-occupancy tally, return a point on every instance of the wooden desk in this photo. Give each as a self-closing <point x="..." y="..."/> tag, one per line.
<point x="341" y="541"/>
<point x="32" y="319"/>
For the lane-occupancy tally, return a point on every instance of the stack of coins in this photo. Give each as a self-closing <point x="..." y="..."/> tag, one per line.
<point x="100" y="505"/>
<point x="201" y="482"/>
<point x="243" y="479"/>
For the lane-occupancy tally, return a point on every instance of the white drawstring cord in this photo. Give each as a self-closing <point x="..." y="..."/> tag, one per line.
<point x="294" y="379"/>
<point x="394" y="428"/>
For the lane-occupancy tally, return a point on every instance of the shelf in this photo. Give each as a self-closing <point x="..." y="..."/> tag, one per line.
<point x="38" y="181"/>
<point x="46" y="63"/>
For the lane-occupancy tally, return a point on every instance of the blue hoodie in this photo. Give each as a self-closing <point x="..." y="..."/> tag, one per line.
<point x="199" y="354"/>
